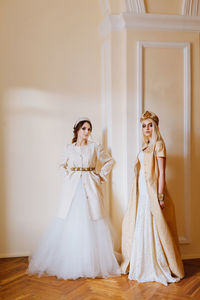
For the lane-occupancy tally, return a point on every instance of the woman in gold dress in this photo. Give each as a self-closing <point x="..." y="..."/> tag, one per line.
<point x="150" y="248"/>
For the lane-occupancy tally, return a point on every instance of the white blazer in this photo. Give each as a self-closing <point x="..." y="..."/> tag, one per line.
<point x="86" y="157"/>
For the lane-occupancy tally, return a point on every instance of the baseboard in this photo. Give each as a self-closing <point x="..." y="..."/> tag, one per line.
<point x="18" y="254"/>
<point x="190" y="256"/>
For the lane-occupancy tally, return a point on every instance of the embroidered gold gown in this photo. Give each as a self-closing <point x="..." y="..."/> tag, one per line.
<point x="150" y="250"/>
<point x="148" y="261"/>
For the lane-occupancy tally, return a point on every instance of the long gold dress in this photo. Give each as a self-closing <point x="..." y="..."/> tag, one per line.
<point x="153" y="246"/>
<point x="148" y="261"/>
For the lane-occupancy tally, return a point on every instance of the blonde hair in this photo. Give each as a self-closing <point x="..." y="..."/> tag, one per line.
<point x="156" y="135"/>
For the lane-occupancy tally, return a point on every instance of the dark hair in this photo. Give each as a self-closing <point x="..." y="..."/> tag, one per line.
<point x="77" y="127"/>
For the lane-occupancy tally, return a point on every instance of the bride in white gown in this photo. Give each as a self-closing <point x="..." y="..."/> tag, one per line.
<point x="149" y="237"/>
<point x="78" y="242"/>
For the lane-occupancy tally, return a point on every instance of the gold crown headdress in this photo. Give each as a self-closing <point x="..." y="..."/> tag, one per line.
<point x="149" y="115"/>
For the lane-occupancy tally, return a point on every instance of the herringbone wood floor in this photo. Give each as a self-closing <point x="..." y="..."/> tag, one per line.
<point x="16" y="285"/>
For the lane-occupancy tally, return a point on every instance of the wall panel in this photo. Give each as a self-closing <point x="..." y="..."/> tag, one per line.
<point x="164" y="87"/>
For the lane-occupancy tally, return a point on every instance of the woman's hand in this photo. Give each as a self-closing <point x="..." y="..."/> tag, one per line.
<point x="161" y="181"/>
<point x="162" y="204"/>
<point x="101" y="179"/>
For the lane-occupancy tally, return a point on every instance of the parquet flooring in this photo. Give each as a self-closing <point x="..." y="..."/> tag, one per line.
<point x="17" y="285"/>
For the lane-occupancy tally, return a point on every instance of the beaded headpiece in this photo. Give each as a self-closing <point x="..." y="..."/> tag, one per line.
<point x="149" y="115"/>
<point x="80" y="120"/>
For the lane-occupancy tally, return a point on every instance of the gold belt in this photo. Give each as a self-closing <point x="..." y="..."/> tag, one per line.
<point x="82" y="169"/>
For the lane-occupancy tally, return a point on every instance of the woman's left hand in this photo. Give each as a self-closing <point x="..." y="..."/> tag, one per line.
<point x="162" y="204"/>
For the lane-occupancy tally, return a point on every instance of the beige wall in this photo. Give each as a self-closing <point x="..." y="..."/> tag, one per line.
<point x="119" y="129"/>
<point x="163" y="92"/>
<point x="50" y="68"/>
<point x="49" y="76"/>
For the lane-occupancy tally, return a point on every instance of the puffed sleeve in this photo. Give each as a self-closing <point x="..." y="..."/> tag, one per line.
<point x="160" y="149"/>
<point x="64" y="160"/>
<point x="106" y="160"/>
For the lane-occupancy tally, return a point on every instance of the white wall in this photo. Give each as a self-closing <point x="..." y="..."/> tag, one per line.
<point x="49" y="76"/>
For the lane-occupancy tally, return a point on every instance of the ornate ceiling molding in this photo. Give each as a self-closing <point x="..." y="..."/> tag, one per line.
<point x="191" y="8"/>
<point x="135" y="6"/>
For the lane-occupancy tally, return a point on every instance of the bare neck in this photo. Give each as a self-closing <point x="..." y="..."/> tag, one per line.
<point x="81" y="142"/>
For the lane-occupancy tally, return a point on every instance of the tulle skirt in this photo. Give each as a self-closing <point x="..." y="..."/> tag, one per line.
<point x="76" y="246"/>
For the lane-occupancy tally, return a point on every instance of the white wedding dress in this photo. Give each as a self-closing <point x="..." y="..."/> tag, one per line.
<point x="76" y="246"/>
<point x="148" y="261"/>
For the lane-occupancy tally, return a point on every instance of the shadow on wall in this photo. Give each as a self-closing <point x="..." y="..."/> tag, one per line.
<point x="117" y="217"/>
<point x="175" y="181"/>
<point x="3" y="228"/>
<point x="112" y="207"/>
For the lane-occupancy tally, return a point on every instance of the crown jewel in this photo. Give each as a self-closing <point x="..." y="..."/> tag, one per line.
<point x="149" y="115"/>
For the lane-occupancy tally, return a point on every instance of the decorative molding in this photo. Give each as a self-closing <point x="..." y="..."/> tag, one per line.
<point x="191" y="8"/>
<point x="105" y="7"/>
<point x="106" y="108"/>
<point x="106" y="93"/>
<point x="135" y="6"/>
<point x="148" y="22"/>
<point x="187" y="116"/>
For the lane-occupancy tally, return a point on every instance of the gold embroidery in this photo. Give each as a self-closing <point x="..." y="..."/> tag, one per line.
<point x="82" y="169"/>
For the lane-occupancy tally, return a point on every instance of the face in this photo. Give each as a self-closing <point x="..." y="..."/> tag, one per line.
<point x="147" y="128"/>
<point x="84" y="132"/>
